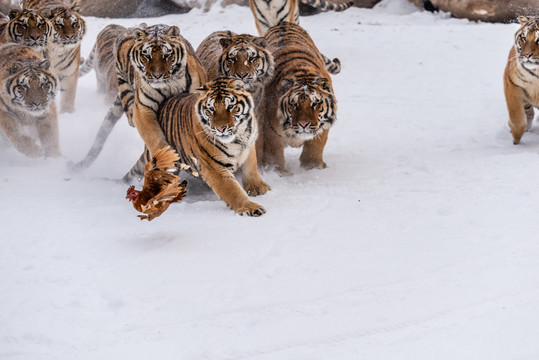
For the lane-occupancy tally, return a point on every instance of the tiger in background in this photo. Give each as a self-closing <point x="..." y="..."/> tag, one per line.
<point x="152" y="64"/>
<point x="27" y="96"/>
<point x="269" y="13"/>
<point x="298" y="106"/>
<point x="214" y="132"/>
<point x="102" y="59"/>
<point x="63" y="48"/>
<point x="28" y="27"/>
<point x="521" y="77"/>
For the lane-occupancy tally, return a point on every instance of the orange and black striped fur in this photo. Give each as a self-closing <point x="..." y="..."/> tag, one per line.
<point x="214" y="132"/>
<point x="28" y="27"/>
<point x="243" y="57"/>
<point x="269" y="13"/>
<point x="298" y="107"/>
<point x="102" y="59"/>
<point x="152" y="64"/>
<point x="27" y="100"/>
<point x="521" y="77"/>
<point x="63" y="49"/>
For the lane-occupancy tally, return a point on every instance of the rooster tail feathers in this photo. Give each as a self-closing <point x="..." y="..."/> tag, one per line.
<point x="165" y="158"/>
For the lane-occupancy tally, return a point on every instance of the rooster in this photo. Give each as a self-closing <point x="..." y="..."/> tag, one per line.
<point x="161" y="187"/>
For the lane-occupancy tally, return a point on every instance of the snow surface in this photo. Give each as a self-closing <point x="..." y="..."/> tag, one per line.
<point x="419" y="241"/>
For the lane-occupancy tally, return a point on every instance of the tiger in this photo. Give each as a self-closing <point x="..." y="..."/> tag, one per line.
<point x="102" y="58"/>
<point x="27" y="96"/>
<point x="152" y="64"/>
<point x="214" y="131"/>
<point x="63" y="48"/>
<point x="28" y="27"/>
<point x="244" y="57"/>
<point x="298" y="107"/>
<point x="521" y="77"/>
<point x="268" y="13"/>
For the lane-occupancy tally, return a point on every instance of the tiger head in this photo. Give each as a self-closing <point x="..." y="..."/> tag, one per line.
<point x="69" y="27"/>
<point x="223" y="108"/>
<point x="31" y="87"/>
<point x="245" y="57"/>
<point x="30" y="27"/>
<point x="158" y="54"/>
<point x="527" y="42"/>
<point x="307" y="107"/>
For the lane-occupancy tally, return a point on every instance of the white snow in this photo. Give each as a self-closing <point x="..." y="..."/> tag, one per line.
<point x="419" y="241"/>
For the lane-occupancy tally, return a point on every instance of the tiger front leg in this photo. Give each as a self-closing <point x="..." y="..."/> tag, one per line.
<point x="224" y="184"/>
<point x="23" y="143"/>
<point x="47" y="129"/>
<point x="518" y="121"/>
<point x="145" y="120"/>
<point x="313" y="151"/>
<point x="252" y="182"/>
<point x="270" y="151"/>
<point x="68" y="89"/>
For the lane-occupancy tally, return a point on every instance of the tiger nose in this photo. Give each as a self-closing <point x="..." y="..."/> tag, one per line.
<point x="70" y="36"/>
<point x="157" y="76"/>
<point x="221" y="129"/>
<point x="36" y="103"/>
<point x="304" y="124"/>
<point x="242" y="75"/>
<point x="34" y="37"/>
<point x="528" y="55"/>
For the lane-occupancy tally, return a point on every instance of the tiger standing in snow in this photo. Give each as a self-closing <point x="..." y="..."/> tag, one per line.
<point x="521" y="77"/>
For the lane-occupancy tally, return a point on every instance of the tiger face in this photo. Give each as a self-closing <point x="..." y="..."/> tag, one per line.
<point x="246" y="58"/>
<point x="223" y="107"/>
<point x="156" y="55"/>
<point x="527" y="42"/>
<point x="69" y="26"/>
<point x="30" y="27"/>
<point x="307" y="107"/>
<point x="31" y="87"/>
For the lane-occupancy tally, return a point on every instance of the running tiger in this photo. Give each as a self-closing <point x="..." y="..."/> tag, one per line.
<point x="214" y="131"/>
<point x="153" y="63"/>
<point x="298" y="107"/>
<point x="28" y="27"/>
<point x="244" y="57"/>
<point x="102" y="59"/>
<point x="27" y="97"/>
<point x="521" y="77"/>
<point x="269" y="13"/>
<point x="63" y="49"/>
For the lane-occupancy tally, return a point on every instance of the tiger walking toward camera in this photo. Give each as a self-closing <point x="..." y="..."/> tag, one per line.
<point x="298" y="106"/>
<point x="27" y="96"/>
<point x="521" y="77"/>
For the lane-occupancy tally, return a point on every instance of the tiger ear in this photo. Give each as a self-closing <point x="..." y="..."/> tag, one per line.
<point x="139" y="33"/>
<point x="523" y="19"/>
<point x="173" y="32"/>
<point x="14" y="68"/>
<point x="46" y="13"/>
<point x="225" y="42"/>
<point x="143" y="26"/>
<point x="75" y="7"/>
<point x="13" y="13"/>
<point x="201" y="90"/>
<point x="44" y="64"/>
<point x="260" y="41"/>
<point x="287" y="83"/>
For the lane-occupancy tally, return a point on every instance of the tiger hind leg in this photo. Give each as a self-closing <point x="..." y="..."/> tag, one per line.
<point x="137" y="171"/>
<point x="112" y="117"/>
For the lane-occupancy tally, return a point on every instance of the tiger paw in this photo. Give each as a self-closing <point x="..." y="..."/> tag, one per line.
<point x="313" y="164"/>
<point x="251" y="209"/>
<point x="256" y="188"/>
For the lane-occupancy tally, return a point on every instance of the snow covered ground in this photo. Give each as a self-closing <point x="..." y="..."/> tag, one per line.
<point x="419" y="241"/>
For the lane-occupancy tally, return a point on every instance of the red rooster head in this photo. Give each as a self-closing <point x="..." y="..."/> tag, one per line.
<point x="131" y="193"/>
